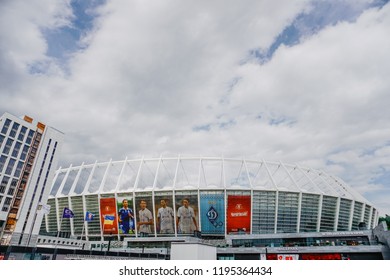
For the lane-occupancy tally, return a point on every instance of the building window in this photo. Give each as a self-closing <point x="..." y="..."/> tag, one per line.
<point x="22" y="133"/>
<point x="2" y="162"/>
<point x="18" y="169"/>
<point x="14" y="130"/>
<point x="15" y="152"/>
<point x="357" y="215"/>
<point x="24" y="152"/>
<point x="4" y="184"/>
<point x="8" y="146"/>
<point x="30" y="136"/>
<point x="1" y="139"/>
<point x="7" y="201"/>
<point x="10" y="166"/>
<point x="14" y="182"/>
<point x="288" y="204"/>
<point x="6" y="125"/>
<point x="309" y="212"/>
<point x="344" y="214"/>
<point x="11" y="191"/>
<point x="263" y="215"/>
<point x="328" y="213"/>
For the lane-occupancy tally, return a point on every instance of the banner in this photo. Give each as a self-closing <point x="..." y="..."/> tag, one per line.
<point x="187" y="212"/>
<point x="125" y="214"/>
<point x="165" y="218"/>
<point x="212" y="211"/>
<point x="239" y="214"/>
<point x="144" y="214"/>
<point x="108" y="218"/>
<point x="89" y="216"/>
<point x="44" y="208"/>
<point x="67" y="213"/>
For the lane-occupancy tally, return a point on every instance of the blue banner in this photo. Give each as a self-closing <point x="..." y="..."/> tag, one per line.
<point x="212" y="211"/>
<point x="89" y="216"/>
<point x="67" y="213"/>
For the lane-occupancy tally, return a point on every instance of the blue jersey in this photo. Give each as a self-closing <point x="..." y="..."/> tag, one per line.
<point x="125" y="216"/>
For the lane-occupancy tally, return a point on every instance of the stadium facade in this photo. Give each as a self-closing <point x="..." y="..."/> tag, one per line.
<point x="216" y="197"/>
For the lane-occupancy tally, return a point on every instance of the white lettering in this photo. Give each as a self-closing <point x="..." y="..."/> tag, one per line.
<point x="239" y="214"/>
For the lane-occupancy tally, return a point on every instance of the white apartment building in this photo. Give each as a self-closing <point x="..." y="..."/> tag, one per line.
<point x="29" y="153"/>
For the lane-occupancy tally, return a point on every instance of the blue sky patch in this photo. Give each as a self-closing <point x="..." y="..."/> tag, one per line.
<point x="205" y="127"/>
<point x="322" y="14"/>
<point x="64" y="41"/>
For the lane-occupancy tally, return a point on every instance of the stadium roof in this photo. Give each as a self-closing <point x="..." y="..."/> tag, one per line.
<point x="193" y="173"/>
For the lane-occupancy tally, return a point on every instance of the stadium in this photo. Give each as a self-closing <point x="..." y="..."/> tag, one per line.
<point x="224" y="197"/>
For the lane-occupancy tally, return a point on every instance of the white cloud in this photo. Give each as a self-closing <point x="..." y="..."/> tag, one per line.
<point x="149" y="74"/>
<point x="21" y="25"/>
<point x="334" y="86"/>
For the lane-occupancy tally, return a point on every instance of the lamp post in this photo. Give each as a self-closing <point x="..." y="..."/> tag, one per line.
<point x="109" y="242"/>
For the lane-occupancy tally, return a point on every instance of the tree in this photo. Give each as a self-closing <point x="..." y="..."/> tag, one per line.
<point x="385" y="219"/>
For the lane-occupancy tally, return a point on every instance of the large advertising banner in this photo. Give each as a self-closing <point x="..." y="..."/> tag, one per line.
<point x="187" y="220"/>
<point x="164" y="213"/>
<point x="144" y="215"/>
<point x="238" y="214"/>
<point x="212" y="213"/>
<point x="108" y="216"/>
<point x="126" y="224"/>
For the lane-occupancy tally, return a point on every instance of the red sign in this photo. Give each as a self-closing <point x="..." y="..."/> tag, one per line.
<point x="108" y="218"/>
<point x="239" y="214"/>
<point x="289" y="257"/>
<point x="321" y="256"/>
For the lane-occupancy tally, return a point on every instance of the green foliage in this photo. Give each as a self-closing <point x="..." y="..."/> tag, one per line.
<point x="386" y="219"/>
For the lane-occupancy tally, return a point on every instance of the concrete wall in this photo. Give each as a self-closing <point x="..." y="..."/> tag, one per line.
<point x="382" y="235"/>
<point x="193" y="251"/>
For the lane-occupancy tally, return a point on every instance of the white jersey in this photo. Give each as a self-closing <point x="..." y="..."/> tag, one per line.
<point x="145" y="216"/>
<point x="166" y="219"/>
<point x="185" y="216"/>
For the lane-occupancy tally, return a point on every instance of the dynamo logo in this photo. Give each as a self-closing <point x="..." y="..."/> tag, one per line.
<point x="212" y="215"/>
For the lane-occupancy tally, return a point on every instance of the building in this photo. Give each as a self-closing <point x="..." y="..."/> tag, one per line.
<point x="28" y="157"/>
<point x="231" y="203"/>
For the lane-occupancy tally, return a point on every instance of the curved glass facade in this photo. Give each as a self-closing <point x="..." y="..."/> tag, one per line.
<point x="217" y="196"/>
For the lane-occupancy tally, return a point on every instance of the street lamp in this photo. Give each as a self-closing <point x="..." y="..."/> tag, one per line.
<point x="109" y="242"/>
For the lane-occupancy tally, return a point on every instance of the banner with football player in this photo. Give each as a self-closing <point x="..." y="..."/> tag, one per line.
<point x="165" y="217"/>
<point x="125" y="206"/>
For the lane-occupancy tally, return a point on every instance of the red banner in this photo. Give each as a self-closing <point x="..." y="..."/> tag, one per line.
<point x="239" y="214"/>
<point x="109" y="219"/>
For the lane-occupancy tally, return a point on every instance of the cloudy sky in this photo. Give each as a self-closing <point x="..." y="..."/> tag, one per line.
<point x="295" y="81"/>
